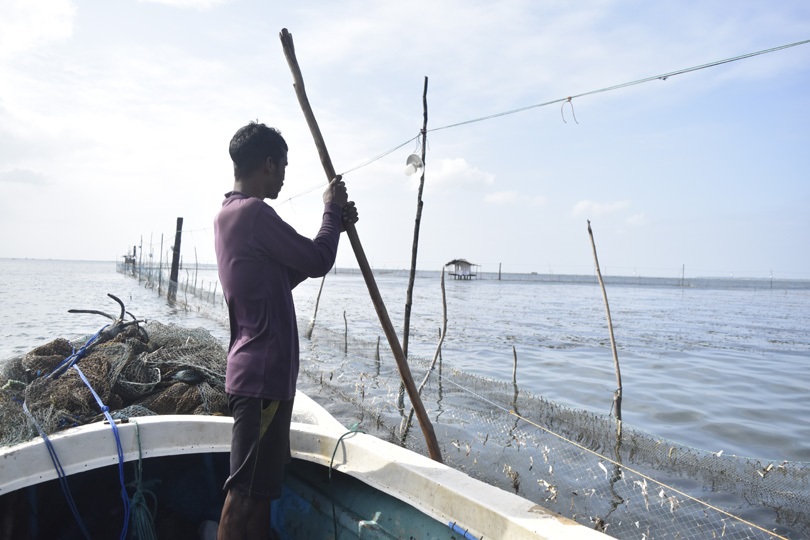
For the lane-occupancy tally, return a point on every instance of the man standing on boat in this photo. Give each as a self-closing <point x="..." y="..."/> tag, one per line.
<point x="260" y="259"/>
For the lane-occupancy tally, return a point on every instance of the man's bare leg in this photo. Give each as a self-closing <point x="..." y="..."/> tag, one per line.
<point x="244" y="518"/>
<point x="258" y="521"/>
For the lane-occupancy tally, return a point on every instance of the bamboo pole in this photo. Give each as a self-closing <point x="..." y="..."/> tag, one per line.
<point x="514" y="381"/>
<point x="315" y="313"/>
<point x="140" y="261"/>
<point x="345" y="333"/>
<point x="514" y="394"/>
<point x="377" y="358"/>
<point x="419" y="204"/>
<point x="196" y="268"/>
<point x="160" y="266"/>
<point x="173" y="275"/>
<point x="406" y="423"/>
<point x="362" y="261"/>
<point x="406" y="330"/>
<point x="617" y="396"/>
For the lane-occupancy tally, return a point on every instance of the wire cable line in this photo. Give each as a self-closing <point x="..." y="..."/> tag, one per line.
<point x="662" y="77"/>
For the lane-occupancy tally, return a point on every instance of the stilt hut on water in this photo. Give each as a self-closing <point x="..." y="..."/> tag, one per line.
<point x="462" y="269"/>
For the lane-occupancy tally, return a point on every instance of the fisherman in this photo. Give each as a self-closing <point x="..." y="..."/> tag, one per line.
<point x="260" y="259"/>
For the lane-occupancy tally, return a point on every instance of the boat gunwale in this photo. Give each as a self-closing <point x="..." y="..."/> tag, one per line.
<point x="441" y="492"/>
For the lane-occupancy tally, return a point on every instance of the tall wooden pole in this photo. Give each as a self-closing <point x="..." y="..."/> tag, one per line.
<point x="419" y="203"/>
<point x="140" y="260"/>
<point x="362" y="261"/>
<point x="617" y="395"/>
<point x="406" y="330"/>
<point x="178" y="236"/>
<point x="160" y="265"/>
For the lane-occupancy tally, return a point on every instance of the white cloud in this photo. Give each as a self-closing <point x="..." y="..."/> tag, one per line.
<point x="193" y="4"/>
<point x="501" y="197"/>
<point x="453" y="173"/>
<point x="636" y="219"/>
<point x="25" y="24"/>
<point x="538" y="201"/>
<point x="22" y="176"/>
<point x="596" y="209"/>
<point x="508" y="197"/>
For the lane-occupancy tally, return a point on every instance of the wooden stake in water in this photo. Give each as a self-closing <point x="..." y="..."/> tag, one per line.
<point x="160" y="265"/>
<point x="377" y="357"/>
<point x="196" y="269"/>
<point x="345" y="333"/>
<point x="315" y="313"/>
<point x="140" y="260"/>
<point x="415" y="249"/>
<point x="406" y="331"/>
<point x="362" y="261"/>
<point x="514" y="382"/>
<point x="617" y="396"/>
<point x="406" y="423"/>
<point x="173" y="275"/>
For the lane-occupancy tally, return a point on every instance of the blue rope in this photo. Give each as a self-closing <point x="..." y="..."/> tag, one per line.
<point x="71" y="360"/>
<point x="106" y="410"/>
<point x="464" y="532"/>
<point x="59" y="471"/>
<point x="354" y="429"/>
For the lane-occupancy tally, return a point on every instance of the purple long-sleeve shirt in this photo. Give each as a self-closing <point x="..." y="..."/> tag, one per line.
<point x="260" y="259"/>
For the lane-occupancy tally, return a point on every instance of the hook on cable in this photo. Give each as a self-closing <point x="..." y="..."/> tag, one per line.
<point x="562" y="110"/>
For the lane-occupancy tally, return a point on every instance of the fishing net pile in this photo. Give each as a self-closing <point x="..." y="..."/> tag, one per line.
<point x="566" y="459"/>
<point x="144" y="370"/>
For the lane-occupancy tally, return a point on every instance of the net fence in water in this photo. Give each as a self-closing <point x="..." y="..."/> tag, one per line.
<point x="565" y="459"/>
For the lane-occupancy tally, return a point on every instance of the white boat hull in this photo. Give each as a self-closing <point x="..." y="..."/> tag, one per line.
<point x="435" y="490"/>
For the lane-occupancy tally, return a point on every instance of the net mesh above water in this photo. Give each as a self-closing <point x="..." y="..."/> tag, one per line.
<point x="564" y="459"/>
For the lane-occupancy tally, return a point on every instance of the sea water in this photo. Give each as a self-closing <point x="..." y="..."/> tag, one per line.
<point x="714" y="365"/>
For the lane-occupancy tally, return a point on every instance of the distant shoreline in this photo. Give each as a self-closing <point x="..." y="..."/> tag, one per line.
<point x="651" y="281"/>
<point x="696" y="282"/>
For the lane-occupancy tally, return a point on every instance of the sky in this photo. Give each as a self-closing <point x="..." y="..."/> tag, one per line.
<point x="115" y="119"/>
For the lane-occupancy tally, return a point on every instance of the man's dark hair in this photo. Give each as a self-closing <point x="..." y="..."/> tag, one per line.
<point x="252" y="144"/>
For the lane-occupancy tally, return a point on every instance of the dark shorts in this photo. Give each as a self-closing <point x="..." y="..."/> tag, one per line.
<point x="260" y="445"/>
